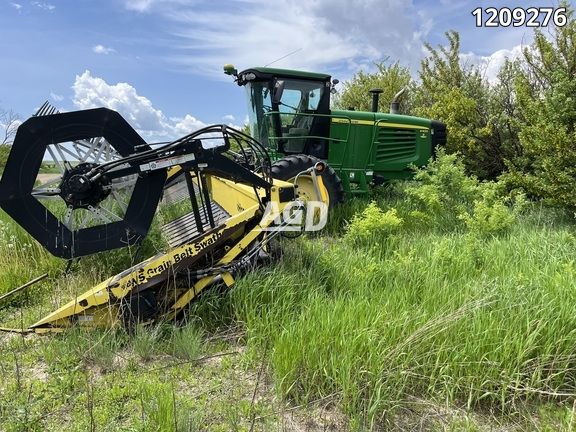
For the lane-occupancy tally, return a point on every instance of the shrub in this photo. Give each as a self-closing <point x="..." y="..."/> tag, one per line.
<point x="445" y="197"/>
<point x="479" y="115"/>
<point x="388" y="77"/>
<point x="492" y="214"/>
<point x="373" y="224"/>
<point x="545" y="93"/>
<point x="442" y="191"/>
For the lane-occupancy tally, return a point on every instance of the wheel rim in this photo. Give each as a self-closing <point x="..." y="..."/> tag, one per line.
<point x="307" y="191"/>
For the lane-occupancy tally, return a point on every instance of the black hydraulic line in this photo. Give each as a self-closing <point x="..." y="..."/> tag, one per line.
<point x="193" y="201"/>
<point x="154" y="153"/>
<point x="243" y="137"/>
<point x="122" y="172"/>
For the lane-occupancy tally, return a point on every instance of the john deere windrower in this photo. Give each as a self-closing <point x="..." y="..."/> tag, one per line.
<point x="214" y="188"/>
<point x="290" y="114"/>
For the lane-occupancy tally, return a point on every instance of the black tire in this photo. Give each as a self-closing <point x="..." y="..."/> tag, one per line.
<point x="290" y="166"/>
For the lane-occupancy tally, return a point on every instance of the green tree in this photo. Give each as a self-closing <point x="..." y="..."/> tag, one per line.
<point x="477" y="114"/>
<point x="546" y="94"/>
<point x="390" y="78"/>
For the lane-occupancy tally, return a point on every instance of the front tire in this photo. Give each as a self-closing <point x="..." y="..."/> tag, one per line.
<point x="290" y="166"/>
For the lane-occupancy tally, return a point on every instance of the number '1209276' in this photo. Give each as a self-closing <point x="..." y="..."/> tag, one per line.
<point x="518" y="17"/>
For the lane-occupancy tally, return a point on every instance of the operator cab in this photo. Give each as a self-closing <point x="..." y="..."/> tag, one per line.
<point x="289" y="111"/>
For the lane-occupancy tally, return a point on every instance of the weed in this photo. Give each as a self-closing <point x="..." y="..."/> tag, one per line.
<point x="187" y="342"/>
<point x="146" y="341"/>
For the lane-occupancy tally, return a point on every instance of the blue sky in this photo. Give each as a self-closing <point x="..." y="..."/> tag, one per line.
<point x="159" y="62"/>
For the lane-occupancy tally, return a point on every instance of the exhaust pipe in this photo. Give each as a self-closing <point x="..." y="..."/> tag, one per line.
<point x="375" y="95"/>
<point x="395" y="104"/>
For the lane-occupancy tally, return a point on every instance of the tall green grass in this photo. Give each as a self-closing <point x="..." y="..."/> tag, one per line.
<point x="405" y="305"/>
<point x="442" y="316"/>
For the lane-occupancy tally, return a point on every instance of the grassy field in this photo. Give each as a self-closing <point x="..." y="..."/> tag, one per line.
<point x="424" y="307"/>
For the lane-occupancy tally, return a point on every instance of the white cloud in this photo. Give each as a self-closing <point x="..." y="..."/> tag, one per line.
<point x="43" y="5"/>
<point x="147" y="5"/>
<point x="334" y="36"/>
<point x="183" y="126"/>
<point x="228" y="118"/>
<point x="326" y="34"/>
<point x="150" y="122"/>
<point x="56" y="97"/>
<point x="138" y="5"/>
<point x="491" y="65"/>
<point x="16" y="6"/>
<point x="101" y="49"/>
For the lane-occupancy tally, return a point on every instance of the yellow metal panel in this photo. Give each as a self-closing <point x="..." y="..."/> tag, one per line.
<point x="379" y="123"/>
<point x="226" y="259"/>
<point x="232" y="197"/>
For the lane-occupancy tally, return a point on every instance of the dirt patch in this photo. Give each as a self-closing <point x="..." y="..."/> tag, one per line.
<point x="8" y="336"/>
<point x="45" y="178"/>
<point x="38" y="372"/>
<point x="314" y="419"/>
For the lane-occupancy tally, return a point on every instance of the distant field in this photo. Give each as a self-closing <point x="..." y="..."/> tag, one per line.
<point x="49" y="168"/>
<point x="388" y="321"/>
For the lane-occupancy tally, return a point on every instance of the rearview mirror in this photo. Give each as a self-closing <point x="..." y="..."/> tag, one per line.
<point x="278" y="90"/>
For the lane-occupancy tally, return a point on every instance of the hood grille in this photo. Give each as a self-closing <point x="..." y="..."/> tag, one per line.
<point x="395" y="143"/>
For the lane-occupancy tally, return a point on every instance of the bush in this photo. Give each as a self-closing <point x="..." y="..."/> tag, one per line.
<point x="478" y="114"/>
<point x="390" y="78"/>
<point x="445" y="197"/>
<point x="373" y="224"/>
<point x="492" y="214"/>
<point x="442" y="191"/>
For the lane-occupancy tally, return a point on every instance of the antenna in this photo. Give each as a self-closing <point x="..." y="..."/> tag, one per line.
<point x="282" y="58"/>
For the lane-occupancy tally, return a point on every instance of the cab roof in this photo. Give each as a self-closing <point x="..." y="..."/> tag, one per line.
<point x="267" y="73"/>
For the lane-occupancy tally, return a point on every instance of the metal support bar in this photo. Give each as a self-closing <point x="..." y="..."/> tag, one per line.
<point x="207" y="199"/>
<point x="23" y="287"/>
<point x="193" y="201"/>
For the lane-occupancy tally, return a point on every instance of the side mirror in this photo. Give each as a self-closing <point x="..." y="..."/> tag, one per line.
<point x="278" y="90"/>
<point x="333" y="86"/>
